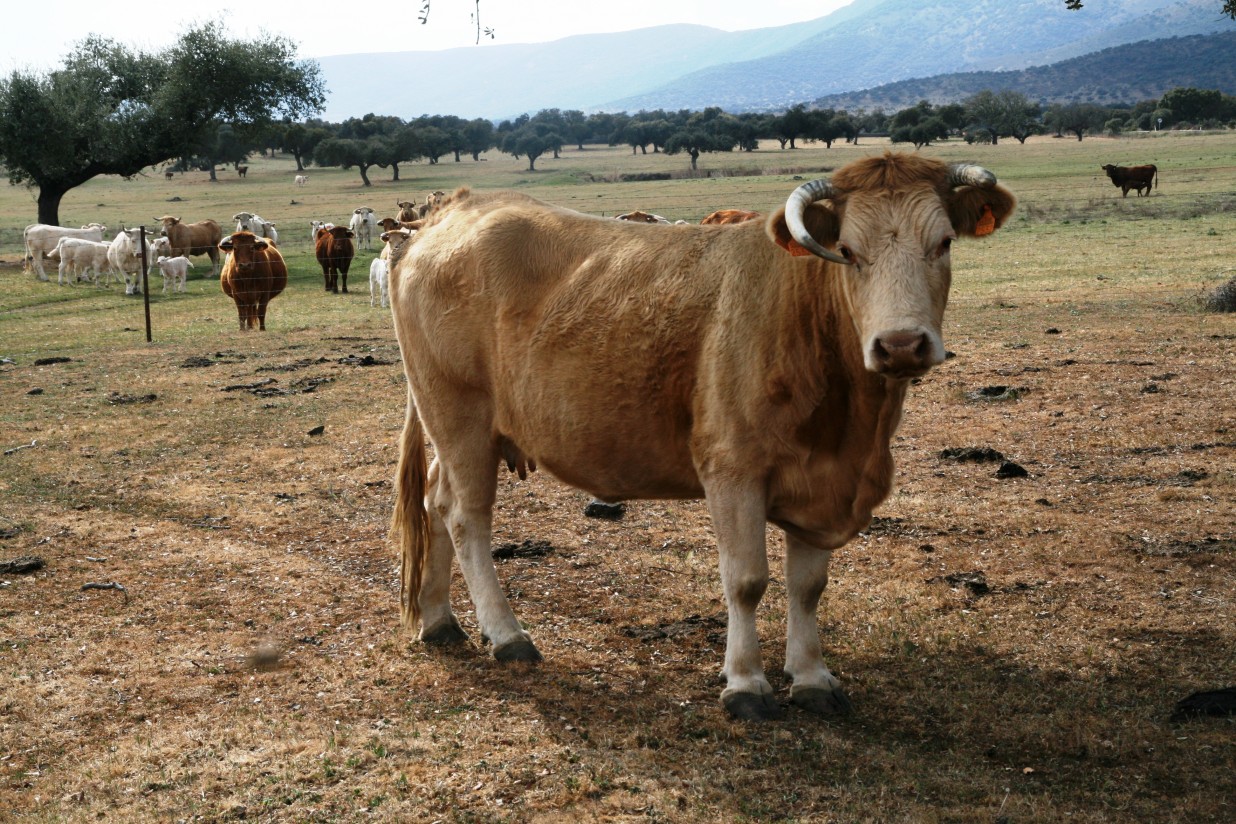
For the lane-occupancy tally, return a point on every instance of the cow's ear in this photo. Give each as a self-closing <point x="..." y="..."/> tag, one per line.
<point x="821" y="222"/>
<point x="260" y="244"/>
<point x="977" y="212"/>
<point x="226" y="244"/>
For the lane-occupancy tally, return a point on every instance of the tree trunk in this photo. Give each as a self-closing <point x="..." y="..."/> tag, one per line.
<point x="457" y="155"/>
<point x="395" y="169"/>
<point x="49" y="202"/>
<point x="364" y="170"/>
<point x="695" y="155"/>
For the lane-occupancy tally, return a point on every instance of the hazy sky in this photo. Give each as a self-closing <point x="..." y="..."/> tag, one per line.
<point x="36" y="37"/>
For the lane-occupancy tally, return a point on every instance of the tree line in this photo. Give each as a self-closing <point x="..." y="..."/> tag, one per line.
<point x="111" y="110"/>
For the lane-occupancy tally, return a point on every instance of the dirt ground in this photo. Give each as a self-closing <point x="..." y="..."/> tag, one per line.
<point x="1014" y="642"/>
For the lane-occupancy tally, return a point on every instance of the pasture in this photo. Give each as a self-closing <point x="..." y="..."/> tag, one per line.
<point x="1013" y="646"/>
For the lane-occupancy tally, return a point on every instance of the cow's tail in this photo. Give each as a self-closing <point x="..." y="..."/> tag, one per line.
<point x="410" y="520"/>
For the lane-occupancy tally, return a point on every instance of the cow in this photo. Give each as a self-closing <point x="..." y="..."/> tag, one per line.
<point x="363" y="223"/>
<point x="201" y="238"/>
<point x="81" y="259"/>
<point x="253" y="274"/>
<point x="408" y="211"/>
<point x="643" y="217"/>
<point x="729" y="217"/>
<point x="41" y="238"/>
<point x="175" y="271"/>
<point x="168" y="174"/>
<point x="1133" y="177"/>
<point x="250" y="222"/>
<point x="314" y="226"/>
<point x="242" y="170"/>
<point x="124" y="258"/>
<point x="334" y="251"/>
<point x="393" y="239"/>
<point x="762" y="367"/>
<point x="431" y="202"/>
<point x="301" y="180"/>
<point x="379" y="290"/>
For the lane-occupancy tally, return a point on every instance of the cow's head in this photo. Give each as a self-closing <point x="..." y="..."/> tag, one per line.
<point x="168" y="221"/>
<point x="888" y="223"/>
<point x="243" y="246"/>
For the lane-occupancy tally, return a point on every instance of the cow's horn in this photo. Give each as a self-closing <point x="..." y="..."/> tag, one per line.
<point x="796" y="206"/>
<point x="968" y="174"/>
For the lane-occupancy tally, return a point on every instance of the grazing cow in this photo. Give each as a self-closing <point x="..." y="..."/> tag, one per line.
<point x="1133" y="177"/>
<point x="168" y="174"/>
<point x="363" y="223"/>
<point x="201" y="238"/>
<point x="41" y="238"/>
<point x="250" y="222"/>
<point x="737" y="367"/>
<point x="81" y="259"/>
<point x="728" y="217"/>
<point x="253" y="274"/>
<point x="175" y="271"/>
<point x="301" y="180"/>
<point x="242" y="170"/>
<point x="643" y="217"/>
<point x="334" y="251"/>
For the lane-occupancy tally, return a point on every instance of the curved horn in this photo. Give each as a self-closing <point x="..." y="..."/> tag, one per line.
<point x="968" y="174"/>
<point x="796" y="205"/>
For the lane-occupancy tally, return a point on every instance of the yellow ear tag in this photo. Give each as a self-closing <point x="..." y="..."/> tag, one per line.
<point x="986" y="222"/>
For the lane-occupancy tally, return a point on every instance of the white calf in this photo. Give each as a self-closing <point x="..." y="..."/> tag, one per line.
<point x="378" y="288"/>
<point x="41" y="239"/>
<point x="301" y="180"/>
<point x="362" y="223"/>
<point x="76" y="256"/>
<point x="314" y="225"/>
<point x="175" y="271"/>
<point x="249" y="222"/>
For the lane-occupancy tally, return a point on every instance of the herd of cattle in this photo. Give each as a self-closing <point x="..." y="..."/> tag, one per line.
<point x="254" y="272"/>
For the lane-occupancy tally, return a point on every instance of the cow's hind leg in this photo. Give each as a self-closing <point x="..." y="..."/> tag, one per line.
<point x="438" y="623"/>
<point x="738" y="520"/>
<point x="814" y="688"/>
<point x="463" y="500"/>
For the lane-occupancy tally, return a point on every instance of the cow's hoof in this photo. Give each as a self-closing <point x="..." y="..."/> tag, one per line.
<point x="822" y="701"/>
<point x="748" y="706"/>
<point x="447" y="632"/>
<point x="522" y="650"/>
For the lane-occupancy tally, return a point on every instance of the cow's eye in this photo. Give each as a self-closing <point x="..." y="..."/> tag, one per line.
<point x="944" y="246"/>
<point x="846" y="252"/>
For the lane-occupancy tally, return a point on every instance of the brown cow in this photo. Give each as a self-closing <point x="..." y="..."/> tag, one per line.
<point x="253" y="274"/>
<point x="723" y="362"/>
<point x="201" y="238"/>
<point x="242" y="170"/>
<point x="728" y="217"/>
<point x="407" y="211"/>
<point x="1133" y="177"/>
<point x="334" y="251"/>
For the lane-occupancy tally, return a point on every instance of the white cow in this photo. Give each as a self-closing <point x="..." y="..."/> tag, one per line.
<point x="77" y="256"/>
<point x="378" y="289"/>
<point x="301" y="180"/>
<point x="258" y="225"/>
<point x="363" y="223"/>
<point x="314" y="225"/>
<point x="41" y="239"/>
<point x="125" y="257"/>
<point x="175" y="271"/>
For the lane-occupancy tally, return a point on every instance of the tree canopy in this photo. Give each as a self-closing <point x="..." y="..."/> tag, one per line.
<point x="110" y="110"/>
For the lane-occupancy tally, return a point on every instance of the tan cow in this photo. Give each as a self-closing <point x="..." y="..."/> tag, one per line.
<point x="761" y="366"/>
<point x="253" y="274"/>
<point x="728" y="217"/>
<point x="407" y="211"/>
<point x="201" y="238"/>
<point x="643" y="217"/>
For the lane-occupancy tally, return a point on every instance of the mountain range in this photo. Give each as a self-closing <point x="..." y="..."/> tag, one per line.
<point x="862" y="47"/>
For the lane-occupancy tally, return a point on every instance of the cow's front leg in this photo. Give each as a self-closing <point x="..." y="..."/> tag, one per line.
<point x="814" y="688"/>
<point x="738" y="520"/>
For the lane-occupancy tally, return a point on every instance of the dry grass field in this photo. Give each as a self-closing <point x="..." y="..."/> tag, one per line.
<point x="1014" y="647"/>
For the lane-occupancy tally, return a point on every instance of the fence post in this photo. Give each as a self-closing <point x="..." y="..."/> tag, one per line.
<point x="145" y="282"/>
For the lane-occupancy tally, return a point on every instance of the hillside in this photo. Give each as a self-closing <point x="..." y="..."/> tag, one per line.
<point x="1123" y="74"/>
<point x="868" y="44"/>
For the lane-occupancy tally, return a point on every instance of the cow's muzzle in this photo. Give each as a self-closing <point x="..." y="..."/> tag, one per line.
<point x="904" y="353"/>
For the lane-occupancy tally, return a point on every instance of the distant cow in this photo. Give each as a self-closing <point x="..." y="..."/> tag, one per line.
<point x="762" y="366"/>
<point x="643" y="217"/>
<point x="334" y="251"/>
<point x="169" y="174"/>
<point x="201" y="238"/>
<point x="253" y="274"/>
<point x="727" y="217"/>
<point x="242" y="170"/>
<point x="1133" y="177"/>
<point x="301" y="180"/>
<point x="363" y="223"/>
